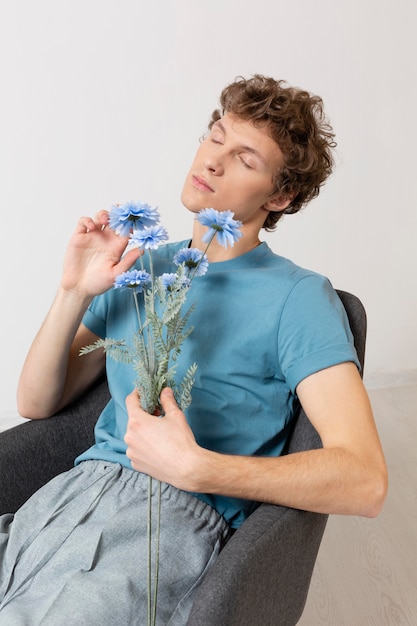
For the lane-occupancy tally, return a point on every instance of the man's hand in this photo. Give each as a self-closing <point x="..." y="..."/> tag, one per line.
<point x="95" y="256"/>
<point x="163" y="447"/>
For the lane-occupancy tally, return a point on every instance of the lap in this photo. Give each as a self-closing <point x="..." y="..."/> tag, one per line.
<point x="77" y="551"/>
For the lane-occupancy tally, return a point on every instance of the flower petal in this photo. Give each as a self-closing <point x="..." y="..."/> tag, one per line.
<point x="220" y="224"/>
<point x="123" y="218"/>
<point x="149" y="238"/>
<point x="194" y="260"/>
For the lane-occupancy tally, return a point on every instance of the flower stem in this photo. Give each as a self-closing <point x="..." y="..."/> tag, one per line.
<point x="203" y="255"/>
<point x="151" y="346"/>
<point x="153" y="596"/>
<point x="135" y="298"/>
<point x="210" y="242"/>
<point x="158" y="533"/>
<point x="149" y="550"/>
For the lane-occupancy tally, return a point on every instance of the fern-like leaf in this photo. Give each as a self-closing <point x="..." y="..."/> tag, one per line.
<point x="184" y="396"/>
<point x="116" y="348"/>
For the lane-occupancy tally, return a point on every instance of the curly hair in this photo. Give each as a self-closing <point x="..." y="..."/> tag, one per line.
<point x="297" y="123"/>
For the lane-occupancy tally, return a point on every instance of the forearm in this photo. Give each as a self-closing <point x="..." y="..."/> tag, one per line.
<point x="325" y="480"/>
<point x="45" y="383"/>
<point x="347" y="476"/>
<point x="53" y="374"/>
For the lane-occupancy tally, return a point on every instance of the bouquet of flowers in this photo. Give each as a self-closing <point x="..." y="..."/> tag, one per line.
<point x="157" y="343"/>
<point x="163" y="325"/>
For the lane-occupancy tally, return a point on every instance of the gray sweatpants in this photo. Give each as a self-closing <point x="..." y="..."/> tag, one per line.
<point x="76" y="553"/>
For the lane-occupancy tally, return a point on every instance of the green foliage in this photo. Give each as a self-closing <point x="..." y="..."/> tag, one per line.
<point x="117" y="349"/>
<point x="156" y="344"/>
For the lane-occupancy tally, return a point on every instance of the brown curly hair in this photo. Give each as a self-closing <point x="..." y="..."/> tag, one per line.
<point x="297" y="123"/>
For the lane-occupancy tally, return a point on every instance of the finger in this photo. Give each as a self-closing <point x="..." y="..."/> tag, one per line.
<point x="85" y="224"/>
<point x="128" y="260"/>
<point x="102" y="217"/>
<point x="133" y="401"/>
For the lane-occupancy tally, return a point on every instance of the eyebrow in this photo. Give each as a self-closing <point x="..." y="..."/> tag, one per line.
<point x="244" y="147"/>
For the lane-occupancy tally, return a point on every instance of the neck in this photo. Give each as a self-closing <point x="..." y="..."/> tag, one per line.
<point x="216" y="252"/>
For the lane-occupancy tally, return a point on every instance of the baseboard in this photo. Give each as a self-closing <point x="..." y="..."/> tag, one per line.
<point x="399" y="378"/>
<point x="8" y="419"/>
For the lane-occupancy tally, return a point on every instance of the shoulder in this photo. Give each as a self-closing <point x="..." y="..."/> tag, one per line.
<point x="296" y="281"/>
<point x="268" y="258"/>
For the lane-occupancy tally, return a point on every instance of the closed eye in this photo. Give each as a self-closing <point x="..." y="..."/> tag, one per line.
<point x="217" y="133"/>
<point x="216" y="137"/>
<point x="246" y="162"/>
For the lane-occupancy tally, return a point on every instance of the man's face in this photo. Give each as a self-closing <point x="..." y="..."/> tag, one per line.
<point x="234" y="170"/>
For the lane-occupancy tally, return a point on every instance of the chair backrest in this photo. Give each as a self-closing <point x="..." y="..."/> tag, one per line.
<point x="357" y="320"/>
<point x="262" y="575"/>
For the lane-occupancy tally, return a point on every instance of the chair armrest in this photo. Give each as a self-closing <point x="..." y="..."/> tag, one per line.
<point x="263" y="573"/>
<point x="33" y="453"/>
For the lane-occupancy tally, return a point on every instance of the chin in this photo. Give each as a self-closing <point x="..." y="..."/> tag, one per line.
<point x="191" y="204"/>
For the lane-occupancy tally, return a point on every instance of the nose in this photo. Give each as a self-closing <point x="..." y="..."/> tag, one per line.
<point x="213" y="162"/>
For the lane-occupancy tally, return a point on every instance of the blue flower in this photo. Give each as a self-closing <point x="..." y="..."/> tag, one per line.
<point x="220" y="224"/>
<point x="132" y="215"/>
<point x="133" y="279"/>
<point x="172" y="282"/>
<point x="149" y="238"/>
<point x="195" y="262"/>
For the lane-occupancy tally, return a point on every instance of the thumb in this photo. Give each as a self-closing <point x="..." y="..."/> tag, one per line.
<point x="168" y="401"/>
<point x="128" y="260"/>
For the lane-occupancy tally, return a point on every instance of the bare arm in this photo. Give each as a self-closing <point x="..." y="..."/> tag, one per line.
<point x="347" y="476"/>
<point x="53" y="374"/>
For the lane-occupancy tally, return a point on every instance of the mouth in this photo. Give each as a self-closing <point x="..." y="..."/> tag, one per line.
<point x="201" y="184"/>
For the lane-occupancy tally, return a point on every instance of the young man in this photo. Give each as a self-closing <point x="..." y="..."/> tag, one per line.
<point x="267" y="334"/>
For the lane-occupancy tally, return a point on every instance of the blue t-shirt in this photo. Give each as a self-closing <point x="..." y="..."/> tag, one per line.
<point x="261" y="325"/>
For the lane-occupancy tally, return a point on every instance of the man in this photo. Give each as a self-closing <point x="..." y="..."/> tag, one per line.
<point x="267" y="335"/>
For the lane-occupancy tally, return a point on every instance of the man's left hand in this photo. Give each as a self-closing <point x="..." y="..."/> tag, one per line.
<point x="163" y="447"/>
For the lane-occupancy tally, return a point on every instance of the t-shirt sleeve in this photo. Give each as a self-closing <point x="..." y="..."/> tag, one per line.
<point x="314" y="331"/>
<point x="95" y="316"/>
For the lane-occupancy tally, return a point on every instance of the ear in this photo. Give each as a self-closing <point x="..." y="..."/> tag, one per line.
<point x="277" y="202"/>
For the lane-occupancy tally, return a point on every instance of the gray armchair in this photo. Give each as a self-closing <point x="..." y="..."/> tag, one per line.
<point x="261" y="577"/>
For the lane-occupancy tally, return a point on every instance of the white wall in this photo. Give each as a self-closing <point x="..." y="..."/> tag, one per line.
<point x="104" y="101"/>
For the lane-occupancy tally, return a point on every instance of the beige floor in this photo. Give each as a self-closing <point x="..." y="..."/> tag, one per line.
<point x="366" y="571"/>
